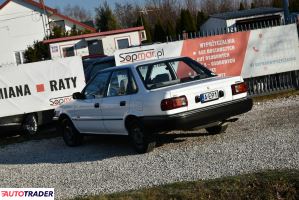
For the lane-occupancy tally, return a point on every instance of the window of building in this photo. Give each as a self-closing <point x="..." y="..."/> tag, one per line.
<point x="58" y="23"/>
<point x="20" y="57"/>
<point x="143" y="35"/>
<point x="68" y="51"/>
<point x="95" y="47"/>
<point x="123" y="43"/>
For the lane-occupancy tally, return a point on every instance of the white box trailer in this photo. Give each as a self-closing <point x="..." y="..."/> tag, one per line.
<point x="29" y="93"/>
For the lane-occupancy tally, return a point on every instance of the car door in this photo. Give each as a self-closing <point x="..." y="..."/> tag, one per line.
<point x="116" y="104"/>
<point x="88" y="118"/>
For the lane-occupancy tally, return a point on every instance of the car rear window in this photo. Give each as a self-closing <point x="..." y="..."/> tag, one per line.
<point x="172" y="72"/>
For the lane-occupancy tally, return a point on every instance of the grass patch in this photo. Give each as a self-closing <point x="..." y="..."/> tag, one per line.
<point x="264" y="185"/>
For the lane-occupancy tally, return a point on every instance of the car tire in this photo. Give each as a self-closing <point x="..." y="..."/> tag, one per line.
<point x="70" y="134"/>
<point x="30" y="125"/>
<point x="217" y="129"/>
<point x="142" y="141"/>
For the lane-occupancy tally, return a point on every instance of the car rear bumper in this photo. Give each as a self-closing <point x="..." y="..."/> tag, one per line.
<point x="196" y="118"/>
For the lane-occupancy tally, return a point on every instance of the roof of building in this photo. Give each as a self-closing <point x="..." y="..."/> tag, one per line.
<point x="90" y="35"/>
<point x="53" y="12"/>
<point x="246" y="13"/>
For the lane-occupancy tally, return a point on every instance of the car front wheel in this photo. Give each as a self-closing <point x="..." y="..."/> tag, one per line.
<point x="143" y="141"/>
<point x="70" y="135"/>
<point x="30" y="125"/>
<point x="217" y="129"/>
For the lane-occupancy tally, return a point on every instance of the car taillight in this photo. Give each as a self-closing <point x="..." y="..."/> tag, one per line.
<point x="239" y="88"/>
<point x="173" y="103"/>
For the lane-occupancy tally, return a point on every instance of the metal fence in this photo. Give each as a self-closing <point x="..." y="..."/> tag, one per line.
<point x="233" y="29"/>
<point x="273" y="83"/>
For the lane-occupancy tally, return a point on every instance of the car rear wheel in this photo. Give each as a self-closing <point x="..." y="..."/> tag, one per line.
<point x="217" y="129"/>
<point x="30" y="125"/>
<point x="143" y="141"/>
<point x="70" y="135"/>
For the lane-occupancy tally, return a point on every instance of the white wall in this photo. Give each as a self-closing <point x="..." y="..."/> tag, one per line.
<point x="81" y="48"/>
<point x="19" y="27"/>
<point x="110" y="42"/>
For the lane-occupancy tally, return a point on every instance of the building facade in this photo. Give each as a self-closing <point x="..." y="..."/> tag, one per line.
<point x="24" y="21"/>
<point x="244" y="19"/>
<point x="101" y="43"/>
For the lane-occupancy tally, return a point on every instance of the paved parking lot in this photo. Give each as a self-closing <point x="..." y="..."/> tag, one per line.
<point x="265" y="138"/>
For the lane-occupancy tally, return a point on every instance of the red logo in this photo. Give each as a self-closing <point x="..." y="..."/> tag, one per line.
<point x="40" y="87"/>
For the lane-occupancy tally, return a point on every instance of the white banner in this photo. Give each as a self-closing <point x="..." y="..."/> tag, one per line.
<point x="39" y="86"/>
<point x="150" y="52"/>
<point x="249" y="54"/>
<point x="272" y="50"/>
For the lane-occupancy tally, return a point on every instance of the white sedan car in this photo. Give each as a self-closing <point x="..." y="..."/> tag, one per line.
<point x="147" y="98"/>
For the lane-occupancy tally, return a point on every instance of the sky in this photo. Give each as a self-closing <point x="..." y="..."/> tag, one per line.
<point x="89" y="5"/>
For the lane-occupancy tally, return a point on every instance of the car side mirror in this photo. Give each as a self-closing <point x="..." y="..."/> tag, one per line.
<point x="78" y="95"/>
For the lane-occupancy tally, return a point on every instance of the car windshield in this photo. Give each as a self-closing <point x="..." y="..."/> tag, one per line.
<point x="172" y="72"/>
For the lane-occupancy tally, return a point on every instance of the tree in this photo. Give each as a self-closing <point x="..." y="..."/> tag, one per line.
<point x="38" y="52"/>
<point x="242" y="7"/>
<point x="294" y="5"/>
<point x="187" y="22"/>
<point x="159" y="33"/>
<point x="164" y="10"/>
<point x="209" y="7"/>
<point x="105" y="20"/>
<point x="200" y="19"/>
<point x="77" y="12"/>
<point x="57" y="32"/>
<point x="225" y="6"/>
<point x="277" y="3"/>
<point x="126" y="14"/>
<point x="74" y="31"/>
<point x="170" y="30"/>
<point x="261" y="3"/>
<point x="192" y="6"/>
<point x="142" y="21"/>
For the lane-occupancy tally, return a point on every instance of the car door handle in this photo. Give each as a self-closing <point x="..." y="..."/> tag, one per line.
<point x="122" y="103"/>
<point x="96" y="105"/>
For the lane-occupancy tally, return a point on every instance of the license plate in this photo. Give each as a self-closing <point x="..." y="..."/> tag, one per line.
<point x="209" y="96"/>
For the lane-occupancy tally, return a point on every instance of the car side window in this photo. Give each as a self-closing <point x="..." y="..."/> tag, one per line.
<point x="121" y="83"/>
<point x="96" y="88"/>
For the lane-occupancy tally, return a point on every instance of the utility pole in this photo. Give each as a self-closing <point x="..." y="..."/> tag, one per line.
<point x="45" y="24"/>
<point x="142" y="12"/>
